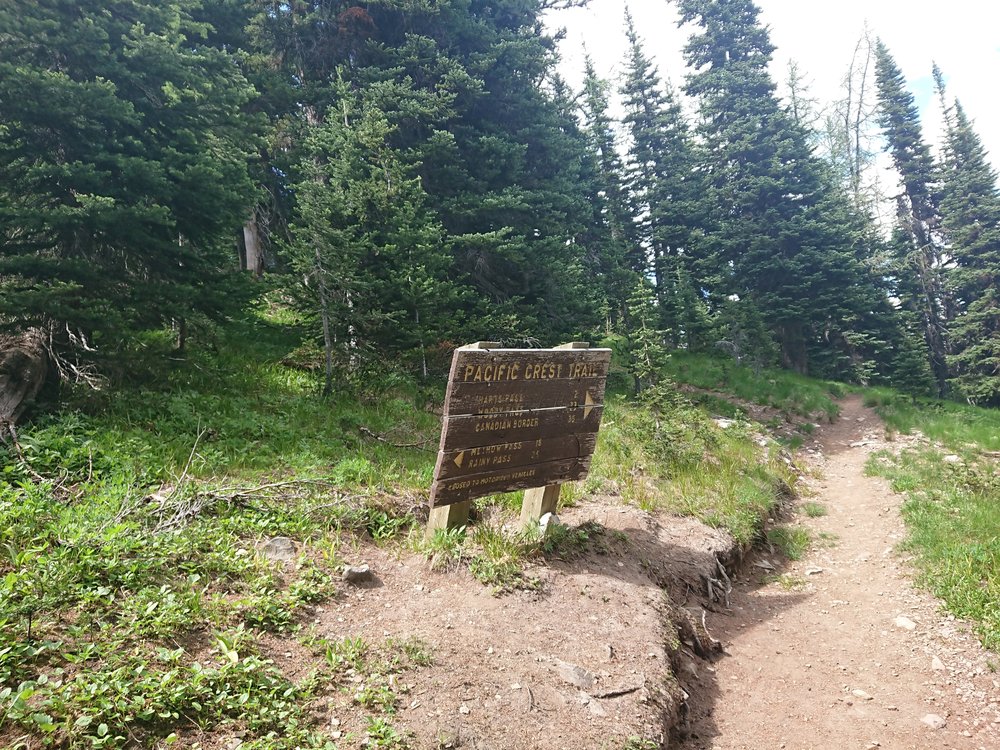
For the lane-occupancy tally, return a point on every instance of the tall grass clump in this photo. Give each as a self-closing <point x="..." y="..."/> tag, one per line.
<point x="951" y="507"/>
<point x="664" y="453"/>
<point x="959" y="426"/>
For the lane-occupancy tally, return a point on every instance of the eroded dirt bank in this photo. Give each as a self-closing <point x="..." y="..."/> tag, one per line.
<point x="839" y="650"/>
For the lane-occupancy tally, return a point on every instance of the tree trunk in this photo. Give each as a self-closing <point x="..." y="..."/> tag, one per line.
<point x="935" y="304"/>
<point x="24" y="364"/>
<point x="254" y="251"/>
<point x="181" y="329"/>
<point x="793" y="348"/>
<point x="324" y="311"/>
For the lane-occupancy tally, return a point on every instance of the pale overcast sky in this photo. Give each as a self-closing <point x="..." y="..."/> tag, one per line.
<point x="962" y="36"/>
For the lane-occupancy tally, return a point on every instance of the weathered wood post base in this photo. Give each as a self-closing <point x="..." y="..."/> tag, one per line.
<point x="537" y="502"/>
<point x="448" y="517"/>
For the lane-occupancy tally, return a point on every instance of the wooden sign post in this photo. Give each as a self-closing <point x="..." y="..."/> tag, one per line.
<point x="516" y="419"/>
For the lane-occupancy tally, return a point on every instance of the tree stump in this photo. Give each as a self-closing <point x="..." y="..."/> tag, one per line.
<point x="24" y="365"/>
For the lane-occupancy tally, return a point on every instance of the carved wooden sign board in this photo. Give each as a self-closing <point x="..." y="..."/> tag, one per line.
<point x="518" y="418"/>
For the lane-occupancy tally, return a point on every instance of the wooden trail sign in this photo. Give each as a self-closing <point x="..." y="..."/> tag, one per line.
<point x="516" y="419"/>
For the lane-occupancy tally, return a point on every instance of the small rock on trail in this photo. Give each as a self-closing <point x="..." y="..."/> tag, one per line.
<point x="934" y="721"/>
<point x="357" y="574"/>
<point x="905" y="623"/>
<point x="280" y="549"/>
<point x="576" y="676"/>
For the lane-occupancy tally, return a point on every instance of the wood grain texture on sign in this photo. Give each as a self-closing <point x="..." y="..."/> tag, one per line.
<point x="457" y="489"/>
<point x="517" y="395"/>
<point x="474" y="431"/>
<point x="489" y="458"/>
<point x="518" y="418"/>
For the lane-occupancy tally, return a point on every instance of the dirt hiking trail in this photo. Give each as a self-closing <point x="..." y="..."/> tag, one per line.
<point x="840" y="650"/>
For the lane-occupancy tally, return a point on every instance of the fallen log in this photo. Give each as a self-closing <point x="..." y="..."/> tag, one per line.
<point x="24" y="365"/>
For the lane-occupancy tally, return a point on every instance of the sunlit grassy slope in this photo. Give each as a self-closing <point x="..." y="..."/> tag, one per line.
<point x="785" y="391"/>
<point x="953" y="501"/>
<point x="249" y="414"/>
<point x="135" y="600"/>
<point x="134" y="597"/>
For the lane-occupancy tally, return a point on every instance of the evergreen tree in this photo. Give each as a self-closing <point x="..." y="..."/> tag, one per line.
<point x="373" y="261"/>
<point x="848" y="144"/>
<point x="693" y="315"/>
<point x="741" y="332"/>
<point x="662" y="182"/>
<point x="909" y="362"/>
<point x="970" y="206"/>
<point x="780" y="242"/>
<point x="924" y="256"/>
<point x="123" y="166"/>
<point x="293" y="53"/>
<point x="502" y="163"/>
<point x="645" y="351"/>
<point x="612" y="234"/>
<point x="474" y="111"/>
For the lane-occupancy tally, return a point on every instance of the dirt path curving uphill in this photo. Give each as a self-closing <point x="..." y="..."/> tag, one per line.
<point x="839" y="650"/>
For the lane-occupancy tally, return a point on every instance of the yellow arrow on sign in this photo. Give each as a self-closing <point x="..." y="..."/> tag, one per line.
<point x="588" y="405"/>
<point x="460" y="459"/>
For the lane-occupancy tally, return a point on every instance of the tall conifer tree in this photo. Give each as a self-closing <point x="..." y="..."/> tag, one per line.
<point x="373" y="260"/>
<point x="921" y="267"/>
<point x="612" y="239"/>
<point x="473" y="111"/>
<point x="662" y="182"/>
<point x="123" y="166"/>
<point x="502" y="169"/>
<point x="970" y="206"/>
<point x="780" y="241"/>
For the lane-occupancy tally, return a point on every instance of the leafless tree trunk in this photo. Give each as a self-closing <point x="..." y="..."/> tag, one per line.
<point x="852" y="135"/>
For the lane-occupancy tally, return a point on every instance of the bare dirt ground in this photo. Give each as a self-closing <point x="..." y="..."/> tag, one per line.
<point x="839" y="650"/>
<point x="582" y="662"/>
<point x="613" y="647"/>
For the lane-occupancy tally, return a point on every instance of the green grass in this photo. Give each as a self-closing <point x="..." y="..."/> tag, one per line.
<point x="132" y="522"/>
<point x="953" y="515"/>
<point x="786" y="391"/>
<point x="827" y="539"/>
<point x="639" y="743"/>
<point x="136" y="601"/>
<point x="786" y="581"/>
<point x="244" y="413"/>
<point x="671" y="457"/>
<point x="814" y="509"/>
<point x="791" y="542"/>
<point x="951" y="509"/>
<point x="499" y="557"/>
<point x="569" y="542"/>
<point x="958" y="426"/>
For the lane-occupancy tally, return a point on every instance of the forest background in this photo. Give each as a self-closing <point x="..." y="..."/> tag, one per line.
<point x="214" y="212"/>
<point x="409" y="175"/>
